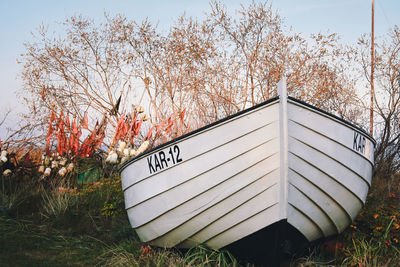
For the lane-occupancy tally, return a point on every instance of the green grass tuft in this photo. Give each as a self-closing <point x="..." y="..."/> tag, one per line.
<point x="204" y="256"/>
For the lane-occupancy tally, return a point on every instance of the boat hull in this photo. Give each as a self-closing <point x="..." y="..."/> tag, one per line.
<point x="329" y="171"/>
<point x="280" y="160"/>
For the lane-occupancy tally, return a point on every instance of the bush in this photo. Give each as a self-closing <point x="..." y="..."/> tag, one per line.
<point x="93" y="208"/>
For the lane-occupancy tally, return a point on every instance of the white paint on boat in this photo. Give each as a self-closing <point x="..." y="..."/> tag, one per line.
<point x="281" y="160"/>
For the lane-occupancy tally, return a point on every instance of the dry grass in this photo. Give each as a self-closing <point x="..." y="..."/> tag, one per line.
<point x="121" y="256"/>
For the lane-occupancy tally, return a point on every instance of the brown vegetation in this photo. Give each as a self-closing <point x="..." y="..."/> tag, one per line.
<point x="211" y="68"/>
<point x="201" y="71"/>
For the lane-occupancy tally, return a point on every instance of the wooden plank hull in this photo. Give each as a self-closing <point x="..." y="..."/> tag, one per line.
<point x="280" y="160"/>
<point x="330" y="170"/>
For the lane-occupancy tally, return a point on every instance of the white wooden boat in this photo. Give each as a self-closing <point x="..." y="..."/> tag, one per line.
<point x="280" y="161"/>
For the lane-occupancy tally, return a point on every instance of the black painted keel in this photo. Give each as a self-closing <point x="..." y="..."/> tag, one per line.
<point x="269" y="246"/>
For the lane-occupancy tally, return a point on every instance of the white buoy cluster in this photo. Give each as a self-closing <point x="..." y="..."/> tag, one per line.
<point x="4" y="159"/>
<point x="125" y="152"/>
<point x="55" y="164"/>
<point x="122" y="151"/>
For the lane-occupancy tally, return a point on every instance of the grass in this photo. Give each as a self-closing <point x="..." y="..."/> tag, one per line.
<point x="56" y="204"/>
<point x="203" y="256"/>
<point x="128" y="254"/>
<point x="25" y="243"/>
<point x="53" y="225"/>
<point x="56" y="226"/>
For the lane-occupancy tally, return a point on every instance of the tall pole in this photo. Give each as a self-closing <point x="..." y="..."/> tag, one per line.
<point x="371" y="118"/>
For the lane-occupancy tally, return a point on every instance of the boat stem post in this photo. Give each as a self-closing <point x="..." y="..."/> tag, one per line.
<point x="282" y="91"/>
<point x="283" y="126"/>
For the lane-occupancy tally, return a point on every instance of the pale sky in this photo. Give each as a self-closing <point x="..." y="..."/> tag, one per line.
<point x="348" y="18"/>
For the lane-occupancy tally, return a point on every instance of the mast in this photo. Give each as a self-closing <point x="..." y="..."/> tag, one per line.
<point x="371" y="118"/>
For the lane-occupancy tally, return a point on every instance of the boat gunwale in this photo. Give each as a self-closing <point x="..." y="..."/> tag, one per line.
<point x="194" y="132"/>
<point x="240" y="113"/>
<point x="328" y="114"/>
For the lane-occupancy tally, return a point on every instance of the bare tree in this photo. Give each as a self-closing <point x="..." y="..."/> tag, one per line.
<point x="83" y="71"/>
<point x="209" y="69"/>
<point x="261" y="52"/>
<point x="387" y="99"/>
